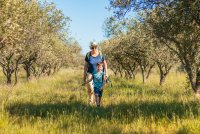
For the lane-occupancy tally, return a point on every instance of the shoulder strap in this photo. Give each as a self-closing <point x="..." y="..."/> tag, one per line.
<point x="88" y="55"/>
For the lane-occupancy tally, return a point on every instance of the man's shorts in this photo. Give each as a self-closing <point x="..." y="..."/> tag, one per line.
<point x="90" y="84"/>
<point x="97" y="91"/>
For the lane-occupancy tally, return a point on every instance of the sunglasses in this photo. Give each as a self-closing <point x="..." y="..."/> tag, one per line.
<point x="93" y="47"/>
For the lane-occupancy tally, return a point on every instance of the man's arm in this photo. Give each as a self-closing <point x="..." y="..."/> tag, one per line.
<point x="85" y="82"/>
<point x="85" y="71"/>
<point x="104" y="83"/>
<point x="105" y="68"/>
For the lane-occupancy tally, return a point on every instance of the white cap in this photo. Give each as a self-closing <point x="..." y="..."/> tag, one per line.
<point x="94" y="43"/>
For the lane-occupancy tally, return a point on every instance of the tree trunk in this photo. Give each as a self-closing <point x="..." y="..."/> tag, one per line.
<point x="195" y="83"/>
<point x="114" y="71"/>
<point x="149" y="71"/>
<point x="28" y="72"/>
<point x="121" y="74"/>
<point x="191" y="78"/>
<point x="133" y="74"/>
<point x="49" y="71"/>
<point x="16" y="76"/>
<point x="54" y="69"/>
<point x="197" y="86"/>
<point x="197" y="90"/>
<point x="128" y="74"/>
<point x="143" y="76"/>
<point x="164" y="70"/>
<point x="8" y="76"/>
<point x="16" y="71"/>
<point x="162" y="78"/>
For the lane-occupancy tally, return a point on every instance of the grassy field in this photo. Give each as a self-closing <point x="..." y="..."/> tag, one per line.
<point x="56" y="105"/>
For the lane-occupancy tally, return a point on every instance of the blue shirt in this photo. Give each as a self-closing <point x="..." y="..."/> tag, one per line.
<point x="92" y="62"/>
<point x="98" y="79"/>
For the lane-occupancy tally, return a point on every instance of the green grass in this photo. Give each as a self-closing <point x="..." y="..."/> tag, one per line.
<point x="56" y="105"/>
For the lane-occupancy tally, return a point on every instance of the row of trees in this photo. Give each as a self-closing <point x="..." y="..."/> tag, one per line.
<point x="34" y="36"/>
<point x="138" y="50"/>
<point x="164" y="32"/>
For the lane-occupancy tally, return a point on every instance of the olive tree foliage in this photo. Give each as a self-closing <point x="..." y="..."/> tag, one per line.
<point x="177" y="22"/>
<point x="164" y="58"/>
<point x="12" y="36"/>
<point x="153" y="52"/>
<point x="75" y="59"/>
<point x="36" y="29"/>
<point x="113" y="27"/>
<point x="140" y="50"/>
<point x="33" y="36"/>
<point x="185" y="38"/>
<point x="110" y="58"/>
<point x="118" y="60"/>
<point x="142" y="47"/>
<point x="137" y="49"/>
<point x="131" y="52"/>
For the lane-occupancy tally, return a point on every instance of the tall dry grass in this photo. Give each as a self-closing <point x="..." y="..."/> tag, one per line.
<point x="57" y="104"/>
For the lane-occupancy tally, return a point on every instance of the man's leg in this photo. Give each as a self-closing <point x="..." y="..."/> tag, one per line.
<point x="100" y="95"/>
<point x="97" y="99"/>
<point x="90" y="89"/>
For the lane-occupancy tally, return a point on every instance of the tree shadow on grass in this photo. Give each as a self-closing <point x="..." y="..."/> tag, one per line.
<point x="120" y="112"/>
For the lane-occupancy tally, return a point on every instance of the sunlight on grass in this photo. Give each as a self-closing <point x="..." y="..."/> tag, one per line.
<point x="58" y="104"/>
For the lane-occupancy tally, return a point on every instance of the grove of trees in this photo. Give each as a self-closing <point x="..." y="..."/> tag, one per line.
<point x="34" y="36"/>
<point x="163" y="33"/>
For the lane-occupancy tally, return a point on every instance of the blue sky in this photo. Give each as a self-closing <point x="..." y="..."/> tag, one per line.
<point x="87" y="19"/>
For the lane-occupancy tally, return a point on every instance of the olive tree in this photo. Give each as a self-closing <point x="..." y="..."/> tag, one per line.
<point x="177" y="22"/>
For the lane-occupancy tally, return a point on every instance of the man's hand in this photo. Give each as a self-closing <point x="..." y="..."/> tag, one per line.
<point x="101" y="89"/>
<point x="84" y="79"/>
<point x="106" y="75"/>
<point x="84" y="82"/>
